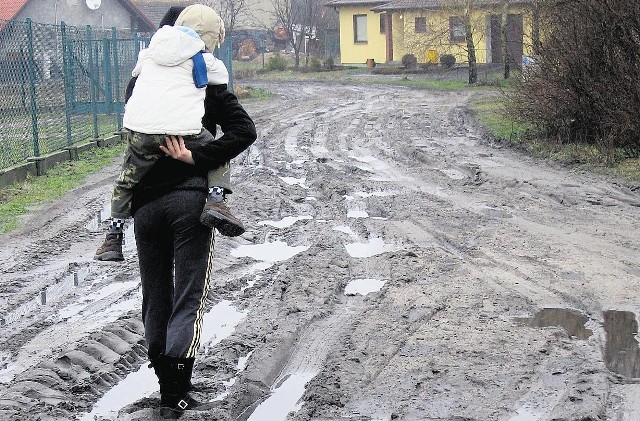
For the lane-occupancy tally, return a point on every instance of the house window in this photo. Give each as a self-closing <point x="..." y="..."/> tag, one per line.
<point x="456" y="29"/>
<point x="383" y="23"/>
<point x="421" y="25"/>
<point x="359" y="28"/>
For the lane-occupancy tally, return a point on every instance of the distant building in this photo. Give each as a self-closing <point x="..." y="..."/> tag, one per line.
<point x="386" y="30"/>
<point x="99" y="14"/>
<point x="253" y="29"/>
<point x="155" y="10"/>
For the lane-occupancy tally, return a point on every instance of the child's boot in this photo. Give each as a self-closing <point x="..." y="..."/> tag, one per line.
<point x="217" y="215"/>
<point x="111" y="248"/>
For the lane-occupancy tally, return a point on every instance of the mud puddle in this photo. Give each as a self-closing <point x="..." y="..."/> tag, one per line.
<point x="622" y="350"/>
<point x="572" y="321"/>
<point x="284" y="399"/>
<point x="373" y="247"/>
<point x="363" y="286"/>
<point x="276" y="251"/>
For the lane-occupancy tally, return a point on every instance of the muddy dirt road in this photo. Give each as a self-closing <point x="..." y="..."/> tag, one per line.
<point x="396" y="266"/>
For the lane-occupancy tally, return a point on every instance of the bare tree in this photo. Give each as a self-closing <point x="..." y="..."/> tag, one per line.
<point x="232" y="12"/>
<point x="471" y="48"/>
<point x="298" y="18"/>
<point x="503" y="35"/>
<point x="535" y="26"/>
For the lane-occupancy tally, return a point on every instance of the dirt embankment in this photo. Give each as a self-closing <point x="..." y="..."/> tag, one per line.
<point x="396" y="266"/>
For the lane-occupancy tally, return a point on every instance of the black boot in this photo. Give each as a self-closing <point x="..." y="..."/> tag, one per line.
<point x="174" y="377"/>
<point x="153" y="363"/>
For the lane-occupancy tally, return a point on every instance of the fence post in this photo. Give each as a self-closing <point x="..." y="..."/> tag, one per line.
<point x="32" y="89"/>
<point x="225" y="53"/>
<point x="136" y="45"/>
<point x="67" y="71"/>
<point x="108" y="85"/>
<point x="92" y="82"/>
<point x="116" y="75"/>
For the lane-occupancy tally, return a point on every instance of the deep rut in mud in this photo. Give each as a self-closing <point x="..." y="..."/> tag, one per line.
<point x="397" y="265"/>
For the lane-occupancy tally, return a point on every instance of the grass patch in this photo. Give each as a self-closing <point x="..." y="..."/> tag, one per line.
<point x="490" y="112"/>
<point x="434" y="80"/>
<point x="17" y="199"/>
<point x="251" y="93"/>
<point x="438" y="85"/>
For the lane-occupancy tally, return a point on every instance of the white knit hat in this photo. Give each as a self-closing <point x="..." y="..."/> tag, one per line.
<point x="206" y="22"/>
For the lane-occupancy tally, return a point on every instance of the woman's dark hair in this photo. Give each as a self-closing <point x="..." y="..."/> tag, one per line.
<point x="170" y="17"/>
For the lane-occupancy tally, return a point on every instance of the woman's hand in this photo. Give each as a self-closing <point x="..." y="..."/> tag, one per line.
<point x="175" y="149"/>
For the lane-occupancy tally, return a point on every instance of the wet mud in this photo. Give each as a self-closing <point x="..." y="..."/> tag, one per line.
<point x="398" y="265"/>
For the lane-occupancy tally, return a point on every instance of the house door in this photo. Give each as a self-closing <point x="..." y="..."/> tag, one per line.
<point x="389" y="35"/>
<point x="514" y="39"/>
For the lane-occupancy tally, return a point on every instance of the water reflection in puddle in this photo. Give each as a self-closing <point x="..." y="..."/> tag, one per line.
<point x="284" y="399"/>
<point x="622" y="351"/>
<point x="357" y="214"/>
<point x="373" y="247"/>
<point x="345" y="229"/>
<point x="137" y="385"/>
<point x="220" y="322"/>
<point x="363" y="286"/>
<point x="570" y="320"/>
<point x="268" y="252"/>
<point x="295" y="181"/>
<point x="285" y="222"/>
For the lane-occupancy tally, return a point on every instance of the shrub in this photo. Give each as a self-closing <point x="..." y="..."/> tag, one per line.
<point x="276" y="62"/>
<point x="328" y="63"/>
<point x="409" y="61"/>
<point x="448" y="60"/>
<point x="315" y="64"/>
<point x="582" y="86"/>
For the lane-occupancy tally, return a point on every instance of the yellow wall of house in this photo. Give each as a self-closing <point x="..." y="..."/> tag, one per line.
<point x="527" y="33"/>
<point x="358" y="53"/>
<point x="434" y="43"/>
<point x="436" y="39"/>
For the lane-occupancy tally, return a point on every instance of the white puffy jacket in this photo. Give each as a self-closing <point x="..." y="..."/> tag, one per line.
<point x="165" y="99"/>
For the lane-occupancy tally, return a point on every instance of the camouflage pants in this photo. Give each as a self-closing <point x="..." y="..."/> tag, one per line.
<point x="142" y="152"/>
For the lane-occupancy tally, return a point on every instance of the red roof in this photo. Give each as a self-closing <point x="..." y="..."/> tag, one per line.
<point x="10" y="8"/>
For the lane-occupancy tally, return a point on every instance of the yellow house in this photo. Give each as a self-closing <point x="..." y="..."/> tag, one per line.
<point x="385" y="31"/>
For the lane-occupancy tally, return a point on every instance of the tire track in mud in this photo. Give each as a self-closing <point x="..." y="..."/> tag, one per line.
<point x="85" y="370"/>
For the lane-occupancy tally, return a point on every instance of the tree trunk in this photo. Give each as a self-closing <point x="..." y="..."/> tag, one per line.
<point x="471" y="48"/>
<point x="535" y="29"/>
<point x="505" y="39"/>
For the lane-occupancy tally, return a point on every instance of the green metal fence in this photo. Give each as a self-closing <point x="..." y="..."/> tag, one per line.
<point x="62" y="85"/>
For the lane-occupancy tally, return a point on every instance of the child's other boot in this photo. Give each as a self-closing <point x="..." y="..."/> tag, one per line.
<point x="111" y="248"/>
<point x="217" y="215"/>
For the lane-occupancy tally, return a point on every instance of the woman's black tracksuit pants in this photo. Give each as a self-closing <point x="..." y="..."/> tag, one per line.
<point x="168" y="232"/>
